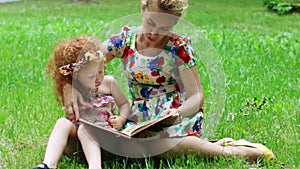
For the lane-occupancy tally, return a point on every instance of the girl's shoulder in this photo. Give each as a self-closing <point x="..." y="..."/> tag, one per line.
<point x="106" y="85"/>
<point x="108" y="79"/>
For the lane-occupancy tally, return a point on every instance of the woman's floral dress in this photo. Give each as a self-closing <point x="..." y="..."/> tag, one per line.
<point x="102" y="107"/>
<point x="154" y="82"/>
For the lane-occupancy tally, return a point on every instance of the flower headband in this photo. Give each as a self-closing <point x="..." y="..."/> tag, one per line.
<point x="73" y="67"/>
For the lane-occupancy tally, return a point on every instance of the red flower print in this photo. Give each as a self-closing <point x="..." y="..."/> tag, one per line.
<point x="161" y="79"/>
<point x="181" y="52"/>
<point x="114" y="37"/>
<point x="131" y="64"/>
<point x="175" y="36"/>
<point x="176" y="43"/>
<point x="175" y="103"/>
<point x="186" y="39"/>
<point x="130" y="53"/>
<point x="154" y="73"/>
<point x="125" y="52"/>
<point x="125" y="55"/>
<point x="177" y="88"/>
<point x="178" y="62"/>
<point x="161" y="61"/>
<point x="125" y="28"/>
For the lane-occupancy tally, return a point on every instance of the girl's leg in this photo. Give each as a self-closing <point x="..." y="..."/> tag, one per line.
<point x="61" y="133"/>
<point x="196" y="145"/>
<point x="90" y="148"/>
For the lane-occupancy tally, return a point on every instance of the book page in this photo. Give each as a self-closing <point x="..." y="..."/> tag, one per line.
<point x="156" y="123"/>
<point x="132" y="130"/>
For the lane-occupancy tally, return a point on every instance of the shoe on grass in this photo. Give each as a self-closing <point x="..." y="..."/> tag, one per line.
<point x="268" y="154"/>
<point x="42" y="166"/>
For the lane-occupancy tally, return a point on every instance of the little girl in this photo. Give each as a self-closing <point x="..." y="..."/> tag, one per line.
<point x="79" y="62"/>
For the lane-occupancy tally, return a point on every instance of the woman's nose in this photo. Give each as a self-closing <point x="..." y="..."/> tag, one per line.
<point x="155" y="31"/>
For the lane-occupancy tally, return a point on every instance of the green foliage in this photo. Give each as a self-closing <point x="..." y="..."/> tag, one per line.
<point x="280" y="7"/>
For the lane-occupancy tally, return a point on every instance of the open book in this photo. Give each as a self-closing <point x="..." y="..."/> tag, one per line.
<point x="151" y="126"/>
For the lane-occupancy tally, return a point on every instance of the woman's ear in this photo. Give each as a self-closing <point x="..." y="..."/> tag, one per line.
<point x="143" y="7"/>
<point x="143" y="10"/>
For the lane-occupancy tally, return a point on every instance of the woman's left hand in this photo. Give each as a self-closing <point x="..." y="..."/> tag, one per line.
<point x="173" y="112"/>
<point x="175" y="115"/>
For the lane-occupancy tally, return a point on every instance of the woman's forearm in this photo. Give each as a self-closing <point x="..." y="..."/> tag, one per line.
<point x="191" y="105"/>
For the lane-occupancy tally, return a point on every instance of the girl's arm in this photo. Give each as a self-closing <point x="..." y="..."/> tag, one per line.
<point x="122" y="103"/>
<point x="71" y="97"/>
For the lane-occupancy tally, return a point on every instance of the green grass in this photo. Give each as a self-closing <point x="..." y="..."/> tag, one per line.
<point x="259" y="52"/>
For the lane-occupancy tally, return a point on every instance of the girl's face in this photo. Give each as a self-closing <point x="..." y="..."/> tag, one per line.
<point x="91" y="75"/>
<point x="157" y="24"/>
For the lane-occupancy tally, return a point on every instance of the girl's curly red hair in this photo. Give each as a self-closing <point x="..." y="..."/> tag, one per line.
<point x="66" y="51"/>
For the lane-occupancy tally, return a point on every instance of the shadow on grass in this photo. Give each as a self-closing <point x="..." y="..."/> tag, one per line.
<point x="190" y="161"/>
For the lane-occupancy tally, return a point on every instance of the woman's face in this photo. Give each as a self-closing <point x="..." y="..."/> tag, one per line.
<point x="157" y="24"/>
<point x="91" y="75"/>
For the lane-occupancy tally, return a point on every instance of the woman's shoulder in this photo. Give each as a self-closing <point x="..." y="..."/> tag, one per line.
<point x="179" y="40"/>
<point x="120" y="39"/>
<point x="181" y="46"/>
<point x="129" y="30"/>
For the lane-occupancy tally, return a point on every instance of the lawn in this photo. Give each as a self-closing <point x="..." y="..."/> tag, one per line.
<point x="249" y="63"/>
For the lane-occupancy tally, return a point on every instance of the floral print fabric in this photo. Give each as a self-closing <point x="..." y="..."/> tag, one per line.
<point x="102" y="107"/>
<point x="154" y="82"/>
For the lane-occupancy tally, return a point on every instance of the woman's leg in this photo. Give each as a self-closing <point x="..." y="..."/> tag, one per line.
<point x="63" y="131"/>
<point x="196" y="145"/>
<point x="90" y="148"/>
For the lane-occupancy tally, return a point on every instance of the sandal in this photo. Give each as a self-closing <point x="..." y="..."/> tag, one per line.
<point x="268" y="155"/>
<point x="42" y="166"/>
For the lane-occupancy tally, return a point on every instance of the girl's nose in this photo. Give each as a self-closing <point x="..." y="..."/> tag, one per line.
<point x="97" y="76"/>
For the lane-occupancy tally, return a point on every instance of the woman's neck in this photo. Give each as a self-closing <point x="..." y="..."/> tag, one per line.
<point x="146" y="48"/>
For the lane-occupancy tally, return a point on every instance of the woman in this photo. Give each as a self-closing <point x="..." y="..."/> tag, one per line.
<point x="163" y="79"/>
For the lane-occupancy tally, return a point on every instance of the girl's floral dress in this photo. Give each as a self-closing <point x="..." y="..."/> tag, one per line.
<point x="102" y="107"/>
<point x="154" y="82"/>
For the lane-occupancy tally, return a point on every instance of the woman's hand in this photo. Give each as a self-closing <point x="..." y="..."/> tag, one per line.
<point x="71" y="97"/>
<point x="173" y="112"/>
<point x="176" y="116"/>
<point x="117" y="121"/>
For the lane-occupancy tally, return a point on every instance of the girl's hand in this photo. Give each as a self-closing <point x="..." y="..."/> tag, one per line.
<point x="117" y="121"/>
<point x="71" y="97"/>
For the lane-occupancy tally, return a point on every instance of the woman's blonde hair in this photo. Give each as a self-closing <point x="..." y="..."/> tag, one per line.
<point x="174" y="7"/>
